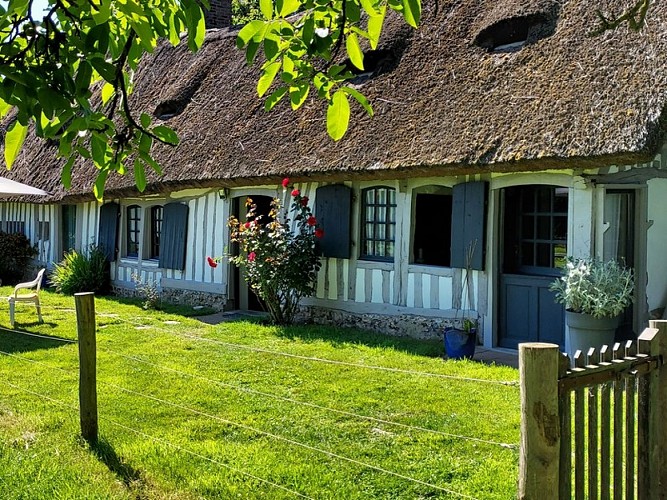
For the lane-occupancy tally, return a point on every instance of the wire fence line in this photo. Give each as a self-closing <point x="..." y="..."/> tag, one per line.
<point x="165" y="442"/>
<point x="29" y="334"/>
<point x="256" y="392"/>
<point x="248" y="428"/>
<point x="273" y="396"/>
<point x="508" y="383"/>
<point x="284" y="439"/>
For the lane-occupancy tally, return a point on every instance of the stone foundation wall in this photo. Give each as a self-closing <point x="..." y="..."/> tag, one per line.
<point x="178" y="296"/>
<point x="402" y="325"/>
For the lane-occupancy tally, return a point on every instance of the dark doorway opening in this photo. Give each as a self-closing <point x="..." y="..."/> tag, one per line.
<point x="244" y="297"/>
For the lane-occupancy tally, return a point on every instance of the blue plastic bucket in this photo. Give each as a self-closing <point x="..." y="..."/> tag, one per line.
<point x="460" y="344"/>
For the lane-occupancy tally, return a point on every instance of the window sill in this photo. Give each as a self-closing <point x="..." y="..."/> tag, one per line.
<point x="130" y="261"/>
<point x="431" y="269"/>
<point x="383" y="265"/>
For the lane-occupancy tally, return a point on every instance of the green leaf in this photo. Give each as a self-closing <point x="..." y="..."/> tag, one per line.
<point x="371" y="7"/>
<point x="98" y="147"/>
<point x="83" y="75"/>
<point x="105" y="69"/>
<point x="165" y="134"/>
<point x="352" y="11"/>
<point x="354" y="50"/>
<point x="298" y="95"/>
<point x="361" y="99"/>
<point x="269" y="73"/>
<point x="251" y="51"/>
<point x="145" y="33"/>
<point x="103" y="12"/>
<point x="145" y="120"/>
<point x="271" y="49"/>
<point x="274" y="98"/>
<point x="98" y="188"/>
<point x="145" y="143"/>
<point x="412" y="10"/>
<point x="338" y="115"/>
<point x="287" y="7"/>
<point x="248" y="32"/>
<point x="4" y="108"/>
<point x="139" y="175"/>
<point x="13" y="142"/>
<point x="107" y="92"/>
<point x="150" y="161"/>
<point x="375" y="24"/>
<point x="266" y="7"/>
<point x="66" y="174"/>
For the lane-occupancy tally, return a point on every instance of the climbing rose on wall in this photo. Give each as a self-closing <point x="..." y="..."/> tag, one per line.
<point x="279" y="255"/>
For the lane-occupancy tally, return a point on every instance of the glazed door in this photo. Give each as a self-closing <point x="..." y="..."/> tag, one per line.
<point x="534" y="247"/>
<point x="244" y="298"/>
<point x="68" y="227"/>
<point x="618" y="243"/>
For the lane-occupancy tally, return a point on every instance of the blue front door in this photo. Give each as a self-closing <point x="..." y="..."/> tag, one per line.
<point x="534" y="247"/>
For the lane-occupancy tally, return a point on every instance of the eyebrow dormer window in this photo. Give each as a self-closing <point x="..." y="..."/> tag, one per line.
<point x="512" y="34"/>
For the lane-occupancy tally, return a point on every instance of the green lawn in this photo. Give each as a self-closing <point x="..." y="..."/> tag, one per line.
<point x="242" y="410"/>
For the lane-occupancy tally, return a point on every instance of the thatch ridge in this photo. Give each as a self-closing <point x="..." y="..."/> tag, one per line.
<point x="448" y="107"/>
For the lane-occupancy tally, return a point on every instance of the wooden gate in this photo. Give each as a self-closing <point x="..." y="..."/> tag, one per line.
<point x="595" y="427"/>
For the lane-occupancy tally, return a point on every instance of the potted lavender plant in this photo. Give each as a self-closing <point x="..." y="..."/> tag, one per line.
<point x="594" y="293"/>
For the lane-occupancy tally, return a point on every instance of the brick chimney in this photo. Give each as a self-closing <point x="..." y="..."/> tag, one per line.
<point x="219" y="15"/>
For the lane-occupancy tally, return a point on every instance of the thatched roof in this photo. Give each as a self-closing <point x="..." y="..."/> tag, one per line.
<point x="443" y="104"/>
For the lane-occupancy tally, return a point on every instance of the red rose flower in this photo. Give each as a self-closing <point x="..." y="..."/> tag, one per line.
<point x="319" y="232"/>
<point x="296" y="192"/>
<point x="311" y="221"/>
<point x="285" y="182"/>
<point x="212" y="262"/>
<point x="251" y="256"/>
<point x="304" y="201"/>
<point x="247" y="225"/>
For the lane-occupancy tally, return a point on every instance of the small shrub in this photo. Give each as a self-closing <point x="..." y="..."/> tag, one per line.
<point x="82" y="272"/>
<point x="147" y="291"/>
<point x="15" y="254"/>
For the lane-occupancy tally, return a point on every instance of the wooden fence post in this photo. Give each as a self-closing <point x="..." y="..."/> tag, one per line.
<point x="85" y="323"/>
<point x="540" y="422"/>
<point x="657" y="414"/>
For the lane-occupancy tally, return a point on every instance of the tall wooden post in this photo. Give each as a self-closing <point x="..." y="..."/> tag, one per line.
<point x="657" y="432"/>
<point x="85" y="323"/>
<point x="540" y="423"/>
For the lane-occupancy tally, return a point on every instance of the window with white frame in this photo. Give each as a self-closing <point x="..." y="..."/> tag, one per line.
<point x="378" y="228"/>
<point x="432" y="237"/>
<point x="132" y="230"/>
<point x="156" y="231"/>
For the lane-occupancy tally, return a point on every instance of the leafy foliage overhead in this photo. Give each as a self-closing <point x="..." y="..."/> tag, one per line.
<point x="52" y="61"/>
<point x="68" y="71"/>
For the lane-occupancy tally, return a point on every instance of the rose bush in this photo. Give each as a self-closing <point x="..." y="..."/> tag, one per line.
<point x="279" y="255"/>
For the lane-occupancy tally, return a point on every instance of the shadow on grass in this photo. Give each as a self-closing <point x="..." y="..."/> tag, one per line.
<point x="175" y="309"/>
<point x="338" y="336"/>
<point x="15" y="341"/>
<point x="106" y="453"/>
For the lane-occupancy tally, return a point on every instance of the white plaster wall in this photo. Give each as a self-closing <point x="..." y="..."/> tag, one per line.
<point x="656" y="265"/>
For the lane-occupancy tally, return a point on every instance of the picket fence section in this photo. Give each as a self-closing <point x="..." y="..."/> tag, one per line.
<point x="594" y="427"/>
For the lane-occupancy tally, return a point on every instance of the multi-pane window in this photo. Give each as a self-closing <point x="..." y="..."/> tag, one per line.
<point x="543" y="227"/>
<point x="16" y="227"/>
<point x="132" y="230"/>
<point x="378" y="223"/>
<point x="156" y="230"/>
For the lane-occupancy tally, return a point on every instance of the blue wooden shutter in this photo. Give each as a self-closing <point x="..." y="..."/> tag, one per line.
<point x="333" y="208"/>
<point x="173" y="236"/>
<point x="107" y="236"/>
<point x="468" y="223"/>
